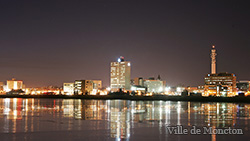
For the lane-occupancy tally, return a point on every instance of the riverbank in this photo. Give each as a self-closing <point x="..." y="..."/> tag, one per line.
<point x="147" y="98"/>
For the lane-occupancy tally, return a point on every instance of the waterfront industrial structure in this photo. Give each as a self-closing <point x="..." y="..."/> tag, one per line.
<point x="120" y="72"/>
<point x="219" y="84"/>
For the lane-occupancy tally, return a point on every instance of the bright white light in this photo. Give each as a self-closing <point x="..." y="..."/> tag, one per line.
<point x="179" y="89"/>
<point x="133" y="88"/>
<point x="129" y="64"/>
<point x="167" y="89"/>
<point x="108" y="89"/>
<point x="119" y="60"/>
<point x="160" y="89"/>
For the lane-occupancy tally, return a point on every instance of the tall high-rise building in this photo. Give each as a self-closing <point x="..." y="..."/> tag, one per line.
<point x="120" y="74"/>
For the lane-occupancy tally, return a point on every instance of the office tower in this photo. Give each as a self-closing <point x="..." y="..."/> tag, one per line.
<point x="120" y="74"/>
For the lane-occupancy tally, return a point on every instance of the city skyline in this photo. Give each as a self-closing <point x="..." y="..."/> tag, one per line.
<point x="52" y="42"/>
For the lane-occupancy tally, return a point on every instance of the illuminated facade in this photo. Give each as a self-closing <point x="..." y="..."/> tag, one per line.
<point x="14" y="85"/>
<point x="1" y="87"/>
<point x="221" y="84"/>
<point x="120" y="75"/>
<point x="154" y="86"/>
<point x="68" y="88"/>
<point x="97" y="84"/>
<point x="82" y="87"/>
<point x="243" y="87"/>
<point x="50" y="90"/>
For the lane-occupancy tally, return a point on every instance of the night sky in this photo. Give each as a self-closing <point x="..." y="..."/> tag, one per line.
<point x="49" y="42"/>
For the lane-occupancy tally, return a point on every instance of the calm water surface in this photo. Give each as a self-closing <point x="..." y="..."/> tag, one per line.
<point x="69" y="119"/>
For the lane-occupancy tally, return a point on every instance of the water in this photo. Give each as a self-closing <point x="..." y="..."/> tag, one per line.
<point x="73" y="119"/>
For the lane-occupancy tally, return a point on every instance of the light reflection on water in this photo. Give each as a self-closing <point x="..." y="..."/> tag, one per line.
<point x="118" y="118"/>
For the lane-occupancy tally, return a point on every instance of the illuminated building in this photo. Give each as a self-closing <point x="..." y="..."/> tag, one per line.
<point x="68" y="88"/>
<point x="14" y="85"/>
<point x="139" y="89"/>
<point x="155" y="86"/>
<point x="120" y="75"/>
<point x="50" y="90"/>
<point x="97" y="84"/>
<point x="82" y="87"/>
<point x="1" y="87"/>
<point x="195" y="90"/>
<point x="219" y="84"/>
<point x="138" y="81"/>
<point x="243" y="86"/>
<point x="151" y="85"/>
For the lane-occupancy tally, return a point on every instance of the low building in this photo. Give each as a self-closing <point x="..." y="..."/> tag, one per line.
<point x="138" y="90"/>
<point x="138" y="81"/>
<point x="154" y="86"/>
<point x="68" y="88"/>
<point x="1" y="87"/>
<point x="151" y="84"/>
<point x="97" y="84"/>
<point x="243" y="87"/>
<point x="220" y="84"/>
<point x="85" y="87"/>
<point x="14" y="85"/>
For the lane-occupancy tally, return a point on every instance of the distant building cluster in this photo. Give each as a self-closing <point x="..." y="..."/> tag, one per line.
<point x="221" y="84"/>
<point x="12" y="86"/>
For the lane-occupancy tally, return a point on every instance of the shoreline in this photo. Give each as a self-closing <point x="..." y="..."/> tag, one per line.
<point x="138" y="98"/>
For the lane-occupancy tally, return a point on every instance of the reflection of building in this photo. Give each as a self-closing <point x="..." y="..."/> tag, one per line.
<point x="219" y="114"/>
<point x="120" y="75"/>
<point x="120" y="120"/>
<point x="86" y="86"/>
<point x="14" y="85"/>
<point x="68" y="88"/>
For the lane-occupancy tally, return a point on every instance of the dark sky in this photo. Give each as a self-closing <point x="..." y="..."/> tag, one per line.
<point x="49" y="42"/>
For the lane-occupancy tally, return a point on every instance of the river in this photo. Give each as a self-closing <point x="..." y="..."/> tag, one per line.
<point x="75" y="119"/>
